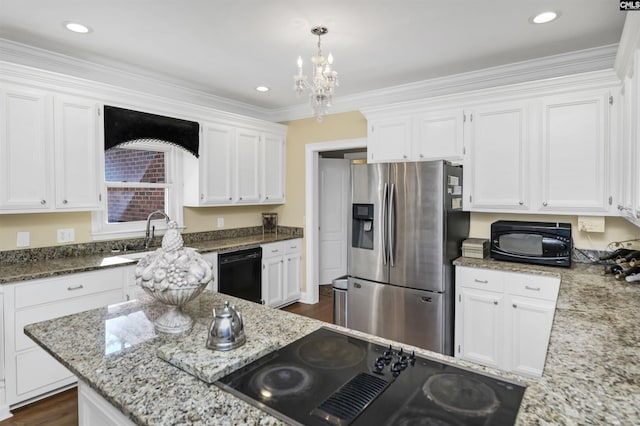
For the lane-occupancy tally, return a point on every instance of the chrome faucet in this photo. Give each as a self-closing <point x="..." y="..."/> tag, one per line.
<point x="148" y="236"/>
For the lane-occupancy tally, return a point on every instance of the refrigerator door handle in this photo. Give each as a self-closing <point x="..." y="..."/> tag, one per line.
<point x="391" y="239"/>
<point x="385" y="210"/>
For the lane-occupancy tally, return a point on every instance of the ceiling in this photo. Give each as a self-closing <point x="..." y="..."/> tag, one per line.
<point x="228" y="47"/>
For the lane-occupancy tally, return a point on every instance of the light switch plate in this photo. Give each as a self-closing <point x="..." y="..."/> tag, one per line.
<point x="221" y="222"/>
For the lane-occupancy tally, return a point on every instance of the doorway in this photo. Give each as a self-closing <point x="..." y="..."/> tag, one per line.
<point x="313" y="153"/>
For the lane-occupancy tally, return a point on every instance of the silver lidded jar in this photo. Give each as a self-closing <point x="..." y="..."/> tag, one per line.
<point x="226" y="331"/>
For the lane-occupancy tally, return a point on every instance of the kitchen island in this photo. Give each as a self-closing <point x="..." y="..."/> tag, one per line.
<point x="592" y="373"/>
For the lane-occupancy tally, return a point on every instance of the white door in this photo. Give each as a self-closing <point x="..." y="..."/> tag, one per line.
<point x="389" y="140"/>
<point x="216" y="165"/>
<point x="247" y="161"/>
<point x="482" y="326"/>
<point x="530" y="323"/>
<point x="333" y="219"/>
<point x="272" y="281"/>
<point x="273" y="156"/>
<point x="439" y="135"/>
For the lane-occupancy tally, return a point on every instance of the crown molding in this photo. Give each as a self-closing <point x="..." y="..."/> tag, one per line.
<point x="145" y="82"/>
<point x="577" y="62"/>
<point x="629" y="43"/>
<point x="122" y="76"/>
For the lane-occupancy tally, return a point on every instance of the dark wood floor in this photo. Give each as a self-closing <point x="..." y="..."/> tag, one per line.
<point x="62" y="409"/>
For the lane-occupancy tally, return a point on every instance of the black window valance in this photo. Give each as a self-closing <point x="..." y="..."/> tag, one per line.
<point x="125" y="126"/>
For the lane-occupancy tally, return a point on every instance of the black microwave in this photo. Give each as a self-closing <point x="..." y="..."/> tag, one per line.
<point x="539" y="243"/>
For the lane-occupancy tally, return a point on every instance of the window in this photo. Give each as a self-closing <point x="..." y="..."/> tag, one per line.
<point x="139" y="178"/>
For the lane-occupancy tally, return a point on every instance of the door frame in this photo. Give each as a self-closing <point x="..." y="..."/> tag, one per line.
<point x="312" y="154"/>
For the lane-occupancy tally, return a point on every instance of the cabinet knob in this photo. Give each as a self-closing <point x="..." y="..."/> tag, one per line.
<point x="43" y="202"/>
<point x="64" y="201"/>
<point x="229" y="198"/>
<point x="240" y="198"/>
<point x="202" y="196"/>
<point x="421" y="156"/>
<point x="495" y="302"/>
<point x="544" y="203"/>
<point x="515" y="306"/>
<point x="521" y="203"/>
<point x="404" y="156"/>
<point x="267" y="197"/>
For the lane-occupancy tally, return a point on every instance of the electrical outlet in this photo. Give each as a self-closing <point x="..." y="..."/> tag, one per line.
<point x="591" y="223"/>
<point x="221" y="222"/>
<point x="66" y="235"/>
<point x="24" y="239"/>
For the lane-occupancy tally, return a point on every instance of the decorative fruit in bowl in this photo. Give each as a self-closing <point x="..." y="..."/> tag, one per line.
<point x="173" y="275"/>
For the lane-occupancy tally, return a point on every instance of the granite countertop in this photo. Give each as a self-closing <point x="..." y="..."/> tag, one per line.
<point x="22" y="271"/>
<point x="592" y="373"/>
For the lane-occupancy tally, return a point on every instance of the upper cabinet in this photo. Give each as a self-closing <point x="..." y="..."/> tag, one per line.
<point x="237" y="165"/>
<point x="543" y="147"/>
<point x="48" y="155"/>
<point x="575" y="152"/>
<point x="418" y="136"/>
<point x="497" y="167"/>
<point x="629" y="172"/>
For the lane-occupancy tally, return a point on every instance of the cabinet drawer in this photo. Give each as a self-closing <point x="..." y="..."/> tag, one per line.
<point x="36" y="370"/>
<point x="535" y="286"/>
<point x="483" y="279"/>
<point x="292" y="246"/>
<point x="67" y="286"/>
<point x="273" y="249"/>
<point x="55" y="310"/>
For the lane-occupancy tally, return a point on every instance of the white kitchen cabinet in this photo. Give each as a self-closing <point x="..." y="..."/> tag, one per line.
<point x="75" y="153"/>
<point x="26" y="150"/>
<point x="208" y="180"/>
<point x="48" y="157"/>
<point x="273" y="155"/>
<point x="292" y="270"/>
<point x="30" y="371"/>
<point x="94" y="410"/>
<point x="247" y="166"/>
<point x="281" y="272"/>
<point x="503" y="319"/>
<point x="416" y="136"/>
<point x="236" y="166"/>
<point x="496" y="175"/>
<point x="629" y="173"/>
<point x="439" y="135"/>
<point x="389" y="140"/>
<point x="575" y="153"/>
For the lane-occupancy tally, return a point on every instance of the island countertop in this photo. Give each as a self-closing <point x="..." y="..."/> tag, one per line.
<point x="592" y="372"/>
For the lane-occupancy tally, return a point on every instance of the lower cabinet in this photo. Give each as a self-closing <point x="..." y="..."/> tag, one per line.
<point x="94" y="410"/>
<point x="503" y="319"/>
<point x="281" y="272"/>
<point x="31" y="372"/>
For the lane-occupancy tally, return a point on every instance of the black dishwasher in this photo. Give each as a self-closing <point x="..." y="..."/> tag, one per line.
<point x="240" y="274"/>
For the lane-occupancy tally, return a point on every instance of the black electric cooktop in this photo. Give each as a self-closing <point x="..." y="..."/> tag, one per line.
<point x="330" y="378"/>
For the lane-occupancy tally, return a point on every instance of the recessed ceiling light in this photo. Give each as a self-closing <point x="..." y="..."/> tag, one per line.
<point x="76" y="27"/>
<point x="544" y="17"/>
<point x="262" y="89"/>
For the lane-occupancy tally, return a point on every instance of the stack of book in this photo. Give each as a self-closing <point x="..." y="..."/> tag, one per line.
<point x="477" y="248"/>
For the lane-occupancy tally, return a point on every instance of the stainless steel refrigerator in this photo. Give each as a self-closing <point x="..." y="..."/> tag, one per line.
<point x="407" y="226"/>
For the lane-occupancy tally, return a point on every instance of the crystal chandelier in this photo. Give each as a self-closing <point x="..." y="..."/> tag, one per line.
<point x="324" y="82"/>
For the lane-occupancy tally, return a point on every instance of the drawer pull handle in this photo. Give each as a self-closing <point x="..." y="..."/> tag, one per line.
<point x="293" y="247"/>
<point x="532" y="288"/>
<point x="78" y="287"/>
<point x="481" y="281"/>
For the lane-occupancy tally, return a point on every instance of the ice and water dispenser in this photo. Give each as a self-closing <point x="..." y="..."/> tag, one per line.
<point x="362" y="226"/>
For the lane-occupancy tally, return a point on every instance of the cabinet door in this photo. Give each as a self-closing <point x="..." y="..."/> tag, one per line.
<point x="481" y="324"/>
<point x="26" y="157"/>
<point x="439" y="135"/>
<point x="75" y="153"/>
<point x="497" y="158"/>
<point x="529" y="322"/>
<point x="273" y="168"/>
<point x="389" y="140"/>
<point x="575" y="153"/>
<point x="247" y="162"/>
<point x="216" y="165"/>
<point x="293" y="276"/>
<point x="272" y="281"/>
